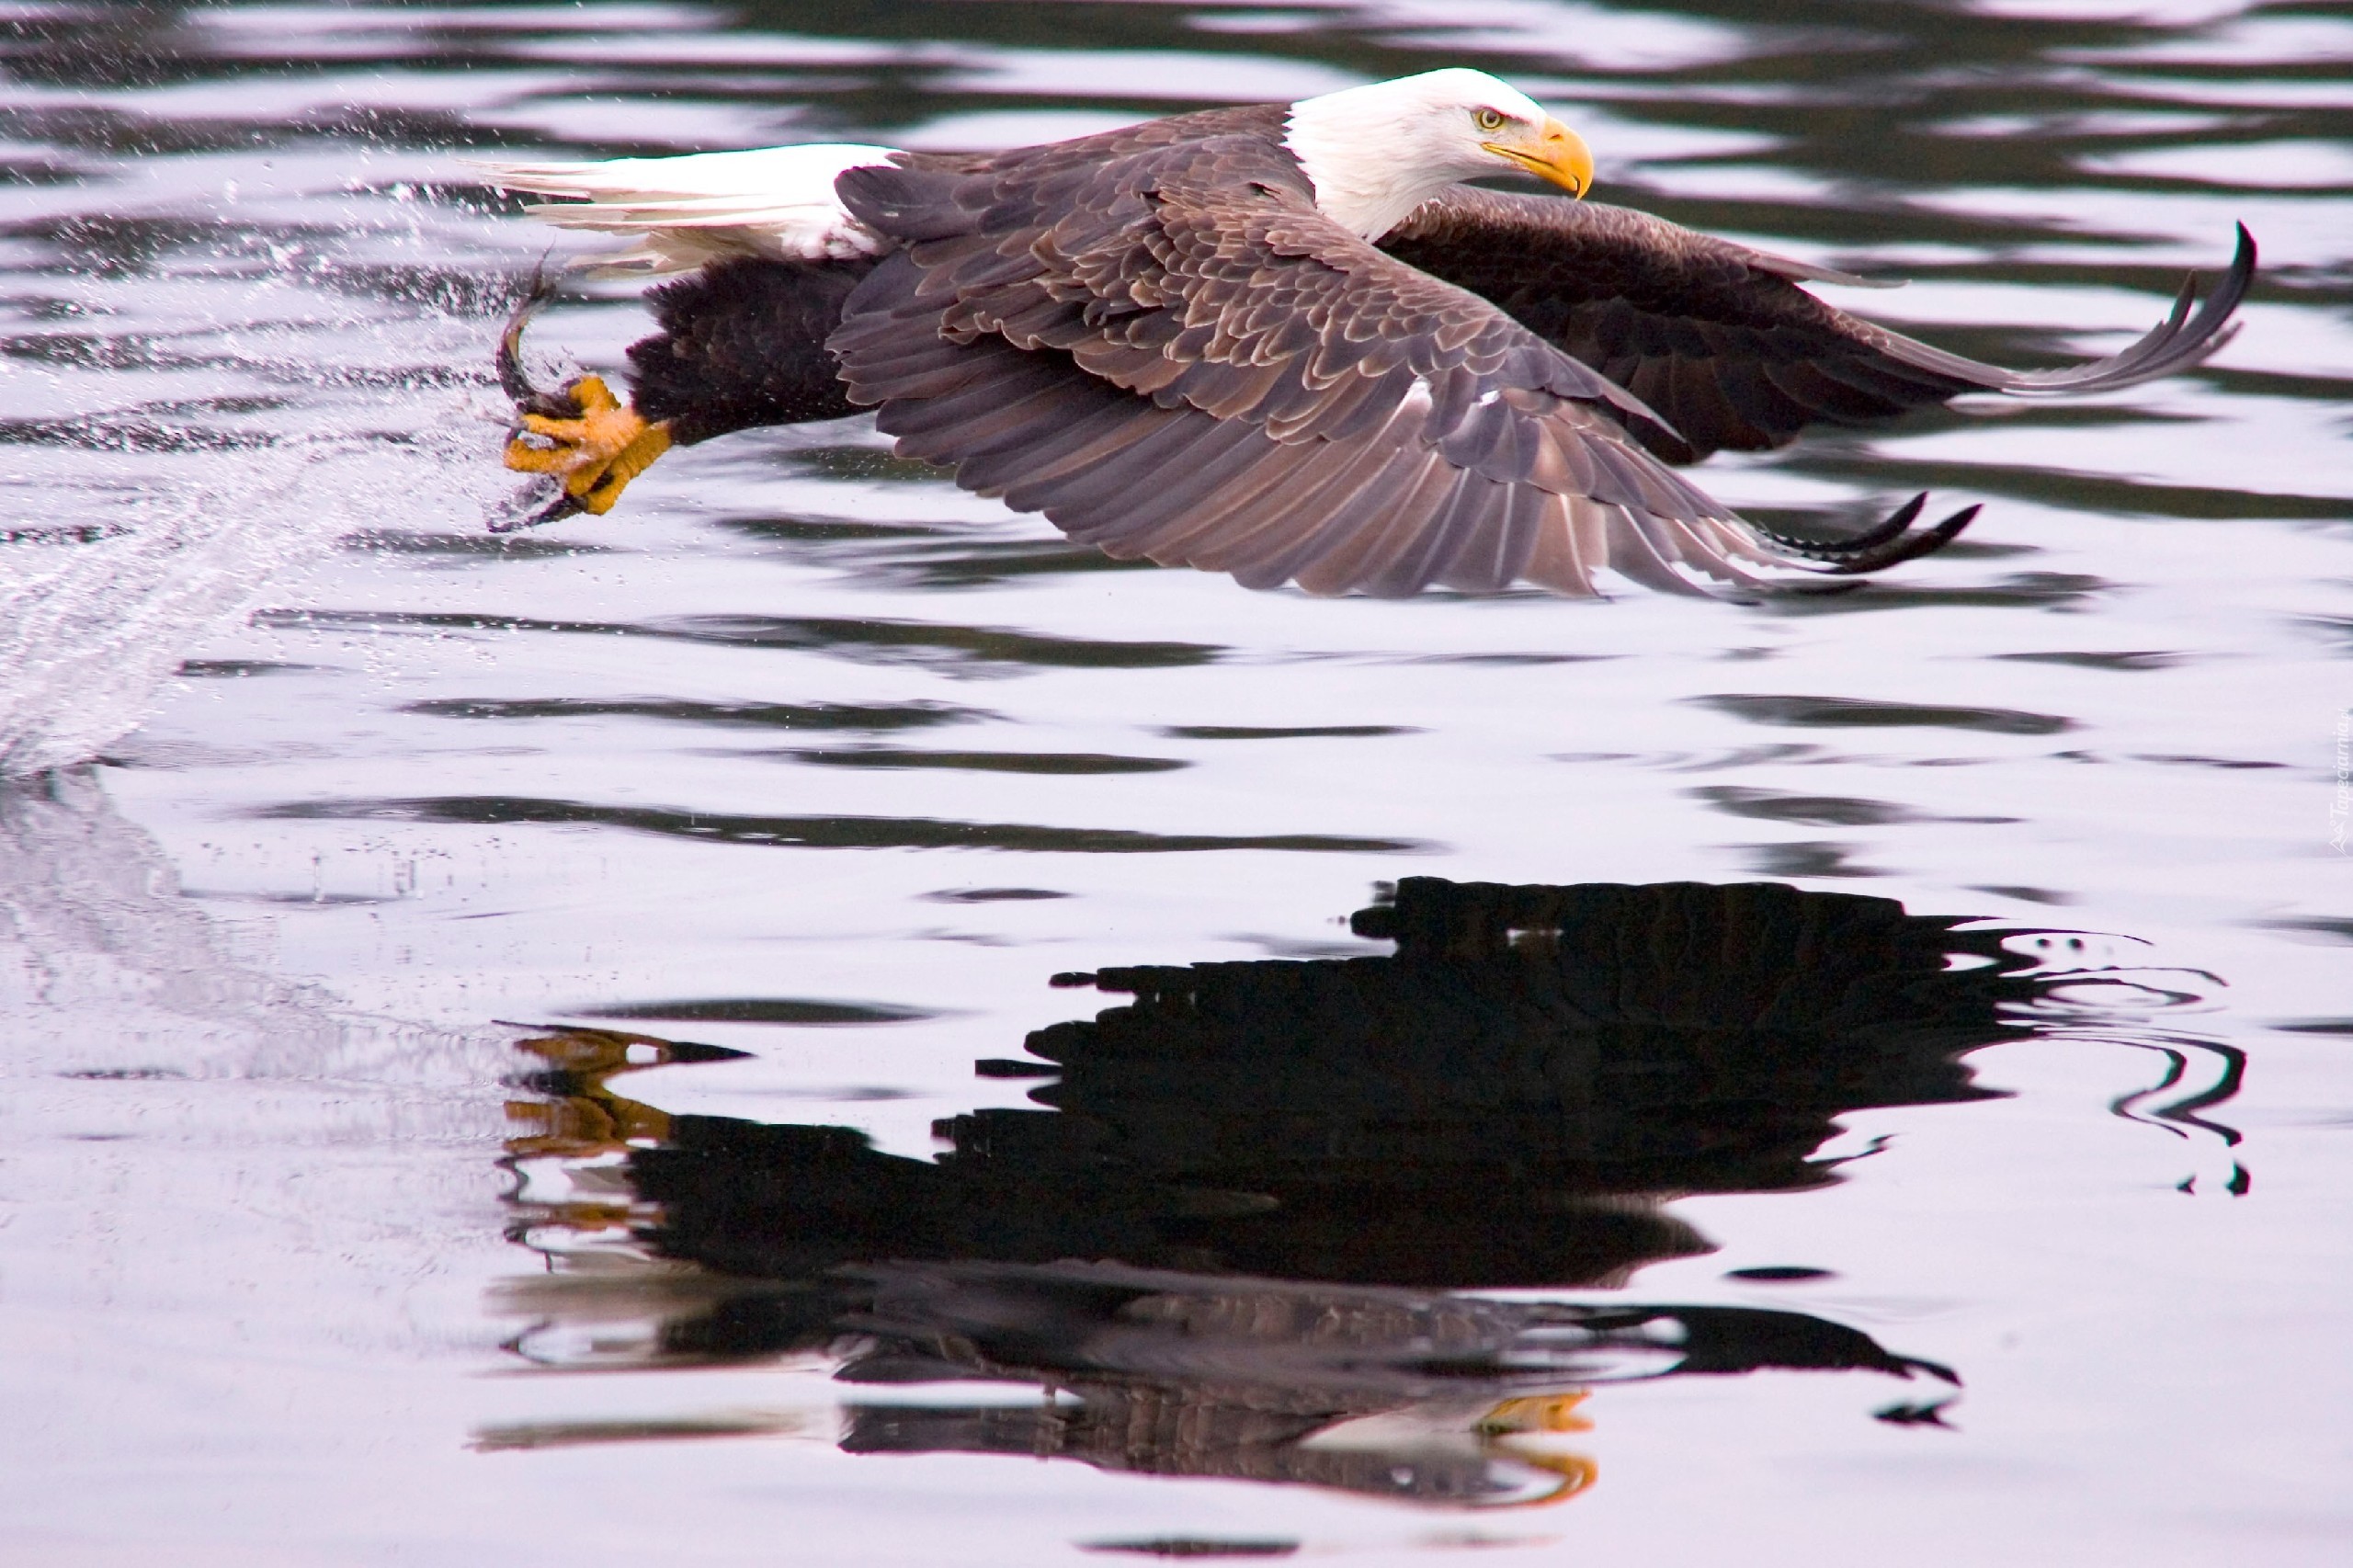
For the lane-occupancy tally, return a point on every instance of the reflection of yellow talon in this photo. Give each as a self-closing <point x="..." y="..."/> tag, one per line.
<point x="1577" y="1475"/>
<point x="592" y="1120"/>
<point x="1508" y="1429"/>
<point x="594" y="456"/>
<point x="1538" y="1412"/>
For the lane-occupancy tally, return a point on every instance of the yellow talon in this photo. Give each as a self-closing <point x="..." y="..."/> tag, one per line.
<point x="594" y="456"/>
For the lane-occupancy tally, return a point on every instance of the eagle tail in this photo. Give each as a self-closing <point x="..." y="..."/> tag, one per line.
<point x="684" y="212"/>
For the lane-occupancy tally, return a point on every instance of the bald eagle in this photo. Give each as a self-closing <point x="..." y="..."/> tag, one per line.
<point x="1281" y="341"/>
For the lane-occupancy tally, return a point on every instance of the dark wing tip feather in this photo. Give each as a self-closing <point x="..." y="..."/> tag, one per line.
<point x="2177" y="343"/>
<point x="1907" y="546"/>
<point x="1889" y="544"/>
<point x="1860" y="544"/>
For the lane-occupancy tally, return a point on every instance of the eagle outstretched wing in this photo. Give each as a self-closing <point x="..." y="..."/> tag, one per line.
<point x="1171" y="353"/>
<point x="1719" y="339"/>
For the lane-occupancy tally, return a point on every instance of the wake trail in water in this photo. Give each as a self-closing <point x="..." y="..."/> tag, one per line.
<point x="330" y="394"/>
<point x="88" y="642"/>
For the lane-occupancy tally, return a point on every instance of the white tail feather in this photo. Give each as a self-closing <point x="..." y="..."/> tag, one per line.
<point x="685" y="211"/>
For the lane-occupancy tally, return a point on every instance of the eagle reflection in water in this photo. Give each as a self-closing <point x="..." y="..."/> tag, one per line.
<point x="1236" y="1237"/>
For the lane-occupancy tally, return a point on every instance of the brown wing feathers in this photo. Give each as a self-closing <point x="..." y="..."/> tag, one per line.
<point x="1717" y="338"/>
<point x="1172" y="354"/>
<point x="1730" y="355"/>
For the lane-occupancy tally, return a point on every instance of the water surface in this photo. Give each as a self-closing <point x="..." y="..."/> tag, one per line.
<point x="808" y="1019"/>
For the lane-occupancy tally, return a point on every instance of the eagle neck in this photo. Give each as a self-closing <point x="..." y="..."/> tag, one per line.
<point x="1365" y="193"/>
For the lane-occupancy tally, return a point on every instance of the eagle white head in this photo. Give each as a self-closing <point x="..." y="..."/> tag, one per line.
<point x="1376" y="152"/>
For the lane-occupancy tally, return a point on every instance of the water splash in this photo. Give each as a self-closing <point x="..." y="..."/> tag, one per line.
<point x="311" y="388"/>
<point x="89" y="643"/>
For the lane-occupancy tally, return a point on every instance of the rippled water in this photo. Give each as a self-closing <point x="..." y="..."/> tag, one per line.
<point x="1024" y="1058"/>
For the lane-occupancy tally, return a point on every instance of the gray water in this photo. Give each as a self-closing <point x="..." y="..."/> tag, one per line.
<point x="493" y="1022"/>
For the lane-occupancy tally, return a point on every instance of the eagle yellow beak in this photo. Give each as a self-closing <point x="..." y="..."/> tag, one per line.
<point x="1554" y="154"/>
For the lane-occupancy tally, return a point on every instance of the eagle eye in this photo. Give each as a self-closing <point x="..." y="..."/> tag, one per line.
<point x="1487" y="120"/>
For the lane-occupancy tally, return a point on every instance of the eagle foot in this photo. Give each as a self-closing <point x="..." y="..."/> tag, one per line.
<point x="593" y="450"/>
